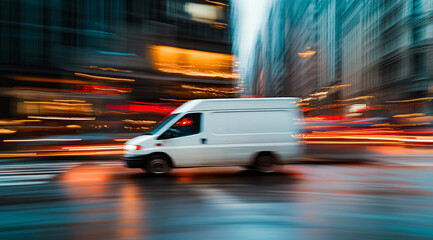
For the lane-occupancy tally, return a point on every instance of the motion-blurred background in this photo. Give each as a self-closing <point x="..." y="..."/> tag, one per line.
<point x="106" y="70"/>
<point x="78" y="78"/>
<point x="108" y="66"/>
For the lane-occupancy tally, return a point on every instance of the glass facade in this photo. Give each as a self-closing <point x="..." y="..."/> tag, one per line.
<point x="353" y="50"/>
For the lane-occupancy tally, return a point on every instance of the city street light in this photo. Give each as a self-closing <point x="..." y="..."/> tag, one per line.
<point x="308" y="53"/>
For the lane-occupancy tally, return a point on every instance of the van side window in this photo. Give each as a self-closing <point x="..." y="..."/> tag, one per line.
<point x="189" y="124"/>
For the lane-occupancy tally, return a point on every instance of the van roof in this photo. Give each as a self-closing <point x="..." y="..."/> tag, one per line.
<point x="237" y="103"/>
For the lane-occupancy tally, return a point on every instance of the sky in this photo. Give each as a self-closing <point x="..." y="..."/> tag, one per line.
<point x="248" y="16"/>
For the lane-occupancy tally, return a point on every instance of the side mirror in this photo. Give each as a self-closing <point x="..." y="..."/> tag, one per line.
<point x="167" y="134"/>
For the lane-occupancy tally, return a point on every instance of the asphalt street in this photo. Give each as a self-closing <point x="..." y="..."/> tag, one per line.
<point x="53" y="199"/>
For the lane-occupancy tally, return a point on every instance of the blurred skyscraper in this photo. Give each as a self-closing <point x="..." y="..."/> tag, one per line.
<point x="103" y="52"/>
<point x="344" y="54"/>
<point x="57" y="33"/>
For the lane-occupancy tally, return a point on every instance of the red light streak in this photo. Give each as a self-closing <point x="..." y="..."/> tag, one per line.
<point x="148" y="103"/>
<point x="143" y="108"/>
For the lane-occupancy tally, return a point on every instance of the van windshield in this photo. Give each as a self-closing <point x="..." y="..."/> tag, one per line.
<point x="161" y="124"/>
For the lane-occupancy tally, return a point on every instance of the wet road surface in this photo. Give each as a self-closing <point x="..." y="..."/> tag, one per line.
<point x="384" y="199"/>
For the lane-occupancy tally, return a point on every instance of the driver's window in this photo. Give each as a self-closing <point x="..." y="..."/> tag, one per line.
<point x="189" y="124"/>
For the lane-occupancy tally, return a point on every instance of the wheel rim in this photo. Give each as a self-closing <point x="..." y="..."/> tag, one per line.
<point x="158" y="166"/>
<point x="265" y="164"/>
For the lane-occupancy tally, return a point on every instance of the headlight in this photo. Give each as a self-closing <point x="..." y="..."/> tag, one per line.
<point x="132" y="147"/>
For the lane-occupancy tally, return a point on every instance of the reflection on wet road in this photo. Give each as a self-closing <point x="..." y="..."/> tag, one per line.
<point x="104" y="200"/>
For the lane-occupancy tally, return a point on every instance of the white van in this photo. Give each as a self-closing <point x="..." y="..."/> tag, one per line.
<point x="257" y="133"/>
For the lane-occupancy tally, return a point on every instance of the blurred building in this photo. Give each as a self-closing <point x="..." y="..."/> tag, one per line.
<point x="59" y="33"/>
<point x="344" y="54"/>
<point x="301" y="49"/>
<point x="109" y="53"/>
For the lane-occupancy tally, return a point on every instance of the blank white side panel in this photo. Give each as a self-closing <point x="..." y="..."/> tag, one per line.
<point x="235" y="137"/>
<point x="231" y="123"/>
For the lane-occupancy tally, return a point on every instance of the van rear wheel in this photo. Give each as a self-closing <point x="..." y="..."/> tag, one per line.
<point x="265" y="164"/>
<point x="158" y="165"/>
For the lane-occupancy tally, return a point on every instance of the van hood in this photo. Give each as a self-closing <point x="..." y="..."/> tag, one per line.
<point x="138" y="140"/>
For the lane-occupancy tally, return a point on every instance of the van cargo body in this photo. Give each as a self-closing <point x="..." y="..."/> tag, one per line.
<point x="252" y="132"/>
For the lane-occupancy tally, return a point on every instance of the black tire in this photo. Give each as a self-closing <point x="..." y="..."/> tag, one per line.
<point x="158" y="165"/>
<point x="265" y="164"/>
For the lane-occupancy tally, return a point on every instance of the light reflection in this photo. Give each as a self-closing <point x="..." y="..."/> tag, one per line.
<point x="89" y="185"/>
<point x="86" y="174"/>
<point x="132" y="213"/>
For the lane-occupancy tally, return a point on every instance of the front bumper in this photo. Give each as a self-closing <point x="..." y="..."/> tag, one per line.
<point x="135" y="161"/>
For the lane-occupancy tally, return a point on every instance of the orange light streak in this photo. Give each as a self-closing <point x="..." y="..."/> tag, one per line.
<point x="356" y="98"/>
<point x="85" y="153"/>
<point x="400" y="150"/>
<point x="110" y="69"/>
<point x="59" y="103"/>
<point x="217" y="3"/>
<point x="338" y="86"/>
<point x="411" y="100"/>
<point x="210" y="89"/>
<point x="95" y="148"/>
<point x="7" y="131"/>
<point x="104" y="78"/>
<point x="409" y="115"/>
<point x="63" y="118"/>
<point x="69" y="100"/>
<point x="16" y="122"/>
<point x="417" y="139"/>
<point x="306" y="54"/>
<point x="8" y="155"/>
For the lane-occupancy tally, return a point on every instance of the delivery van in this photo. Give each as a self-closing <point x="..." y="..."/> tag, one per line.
<point x="256" y="133"/>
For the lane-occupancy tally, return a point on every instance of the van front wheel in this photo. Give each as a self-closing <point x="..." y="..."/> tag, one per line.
<point x="265" y="164"/>
<point x="158" y="165"/>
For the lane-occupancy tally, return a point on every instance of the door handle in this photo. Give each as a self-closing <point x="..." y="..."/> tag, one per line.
<point x="203" y="141"/>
